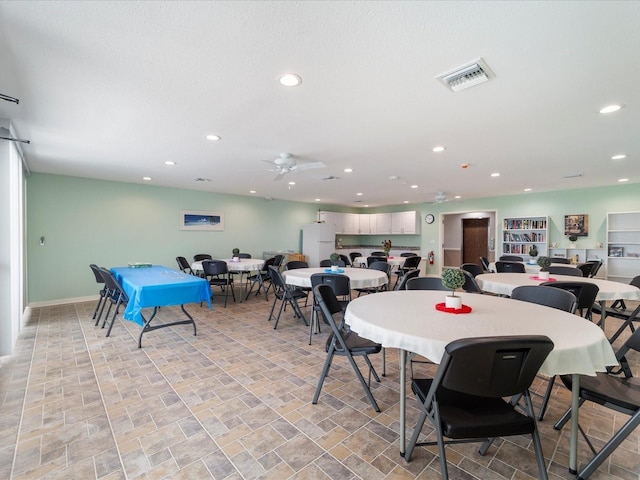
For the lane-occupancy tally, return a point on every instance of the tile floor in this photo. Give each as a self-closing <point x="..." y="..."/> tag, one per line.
<point x="233" y="402"/>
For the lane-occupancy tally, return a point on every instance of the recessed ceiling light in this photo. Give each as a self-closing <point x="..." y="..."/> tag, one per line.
<point x="527" y="189"/>
<point x="623" y="180"/>
<point x="366" y="205"/>
<point x="252" y="191"/>
<point x="610" y="108"/>
<point x="458" y="197"/>
<point x="317" y="199"/>
<point x="292" y="183"/>
<point x="359" y="194"/>
<point x="495" y="174"/>
<point x="414" y="186"/>
<point x="439" y="148"/>
<point x="406" y="201"/>
<point x="619" y="157"/>
<point x="169" y="162"/>
<point x="348" y="170"/>
<point x="290" y="79"/>
<point x="213" y="138"/>
<point x="146" y="179"/>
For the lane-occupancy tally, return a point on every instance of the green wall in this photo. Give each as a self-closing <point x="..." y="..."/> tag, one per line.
<point x="109" y="223"/>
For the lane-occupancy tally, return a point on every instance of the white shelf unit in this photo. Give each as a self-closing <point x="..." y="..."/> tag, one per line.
<point x="519" y="234"/>
<point x="623" y="246"/>
<point x="581" y="255"/>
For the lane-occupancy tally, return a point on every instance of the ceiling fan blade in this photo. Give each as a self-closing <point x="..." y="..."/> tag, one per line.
<point x="309" y="166"/>
<point x="279" y="176"/>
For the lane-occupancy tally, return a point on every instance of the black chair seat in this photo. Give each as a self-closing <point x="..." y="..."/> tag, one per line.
<point x="355" y="343"/>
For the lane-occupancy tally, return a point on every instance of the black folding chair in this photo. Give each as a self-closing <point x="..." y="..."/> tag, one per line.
<point x="341" y="287"/>
<point x="102" y="293"/>
<point x="465" y="400"/>
<point x="344" y="343"/>
<point x="116" y="296"/>
<point x="618" y="393"/>
<point x="286" y="295"/>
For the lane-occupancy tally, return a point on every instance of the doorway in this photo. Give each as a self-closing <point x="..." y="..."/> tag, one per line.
<point x="475" y="239"/>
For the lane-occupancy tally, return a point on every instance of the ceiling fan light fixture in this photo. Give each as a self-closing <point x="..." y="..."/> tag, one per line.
<point x="610" y="108"/>
<point x="213" y="138"/>
<point x="439" y="149"/>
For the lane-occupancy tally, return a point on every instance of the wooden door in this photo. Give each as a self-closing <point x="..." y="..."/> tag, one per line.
<point x="475" y="239"/>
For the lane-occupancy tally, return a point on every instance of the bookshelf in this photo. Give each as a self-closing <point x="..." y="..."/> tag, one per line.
<point x="623" y="246"/>
<point x="519" y="234"/>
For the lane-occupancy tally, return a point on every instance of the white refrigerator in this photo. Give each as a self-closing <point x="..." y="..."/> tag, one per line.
<point x="318" y="242"/>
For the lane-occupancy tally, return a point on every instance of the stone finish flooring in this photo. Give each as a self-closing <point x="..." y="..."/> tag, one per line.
<point x="234" y="402"/>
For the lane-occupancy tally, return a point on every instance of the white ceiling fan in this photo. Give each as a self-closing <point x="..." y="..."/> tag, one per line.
<point x="440" y="197"/>
<point x="286" y="163"/>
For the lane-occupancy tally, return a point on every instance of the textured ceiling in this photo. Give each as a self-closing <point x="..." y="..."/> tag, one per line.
<point x="112" y="90"/>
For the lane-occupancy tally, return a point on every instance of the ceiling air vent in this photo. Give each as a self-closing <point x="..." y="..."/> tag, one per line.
<point x="466" y="76"/>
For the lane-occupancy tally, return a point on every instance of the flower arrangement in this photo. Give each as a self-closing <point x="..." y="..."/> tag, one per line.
<point x="335" y="258"/>
<point x="386" y="246"/>
<point x="452" y="278"/>
<point x="544" y="263"/>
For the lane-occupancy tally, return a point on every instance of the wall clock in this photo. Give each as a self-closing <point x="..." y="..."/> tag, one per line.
<point x="429" y="218"/>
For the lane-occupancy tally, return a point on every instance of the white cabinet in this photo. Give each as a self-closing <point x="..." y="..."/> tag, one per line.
<point x="519" y="234"/>
<point x="367" y="223"/>
<point x="383" y="223"/>
<point x="333" y="218"/>
<point x="350" y="223"/>
<point x="623" y="246"/>
<point x="405" y="223"/>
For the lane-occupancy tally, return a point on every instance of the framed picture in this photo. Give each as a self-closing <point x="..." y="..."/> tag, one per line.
<point x="577" y="225"/>
<point x="616" y="251"/>
<point x="201" y="221"/>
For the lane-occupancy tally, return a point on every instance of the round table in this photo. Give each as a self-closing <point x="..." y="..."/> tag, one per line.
<point x="359" y="277"/>
<point x="580" y="347"/>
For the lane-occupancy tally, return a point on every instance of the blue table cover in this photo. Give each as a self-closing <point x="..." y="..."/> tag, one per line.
<point x="159" y="286"/>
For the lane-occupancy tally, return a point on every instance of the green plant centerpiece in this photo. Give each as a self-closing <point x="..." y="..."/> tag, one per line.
<point x="533" y="251"/>
<point x="544" y="263"/>
<point x="573" y="239"/>
<point x="335" y="258"/>
<point x="453" y="278"/>
<point x="235" y="252"/>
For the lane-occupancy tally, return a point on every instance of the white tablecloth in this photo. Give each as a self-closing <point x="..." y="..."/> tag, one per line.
<point x="504" y="283"/>
<point x="243" y="265"/>
<point x="580" y="345"/>
<point x="359" y="277"/>
<point x="393" y="261"/>
<point x="530" y="268"/>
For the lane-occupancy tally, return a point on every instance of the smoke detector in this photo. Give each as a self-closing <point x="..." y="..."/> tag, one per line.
<point x="466" y="76"/>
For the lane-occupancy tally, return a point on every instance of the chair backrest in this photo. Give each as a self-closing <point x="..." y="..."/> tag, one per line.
<point x="560" y="260"/>
<point x="328" y="302"/>
<point x="470" y="284"/>
<point x="340" y="284"/>
<point x="244" y="255"/>
<point x="596" y="266"/>
<point x="214" y="267"/>
<point x="412" y="262"/>
<point x="586" y="268"/>
<point x="473" y="268"/>
<point x="584" y="292"/>
<point x="111" y="283"/>
<point x="345" y="259"/>
<point x="381" y="266"/>
<point x="183" y="264"/>
<point x="485" y="264"/>
<point x="276" y="278"/>
<point x="548" y="296"/>
<point x="635" y="281"/>
<point x="402" y="284"/>
<point x="408" y="254"/>
<point x="509" y="267"/>
<point x="96" y="273"/>
<point x="492" y="367"/>
<point x="202" y="256"/>
<point x="565" y="270"/>
<point x="378" y="254"/>
<point x="374" y="259"/>
<point x="278" y="260"/>
<point x="354" y="255"/>
<point x="325" y="263"/>
<point x="511" y="258"/>
<point x="425" y="283"/>
<point x="267" y="263"/>
<point x="293" y="264"/>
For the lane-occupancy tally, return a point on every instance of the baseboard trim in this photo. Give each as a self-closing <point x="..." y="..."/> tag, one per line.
<point x="62" y="301"/>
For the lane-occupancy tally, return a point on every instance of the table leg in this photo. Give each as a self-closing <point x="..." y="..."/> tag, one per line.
<point x="603" y="313"/>
<point x="575" y="405"/>
<point x="147" y="328"/>
<point x="403" y="398"/>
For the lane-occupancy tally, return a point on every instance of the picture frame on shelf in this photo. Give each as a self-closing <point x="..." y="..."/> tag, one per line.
<point x="201" y="221"/>
<point x="616" y="251"/>
<point x="577" y="225"/>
